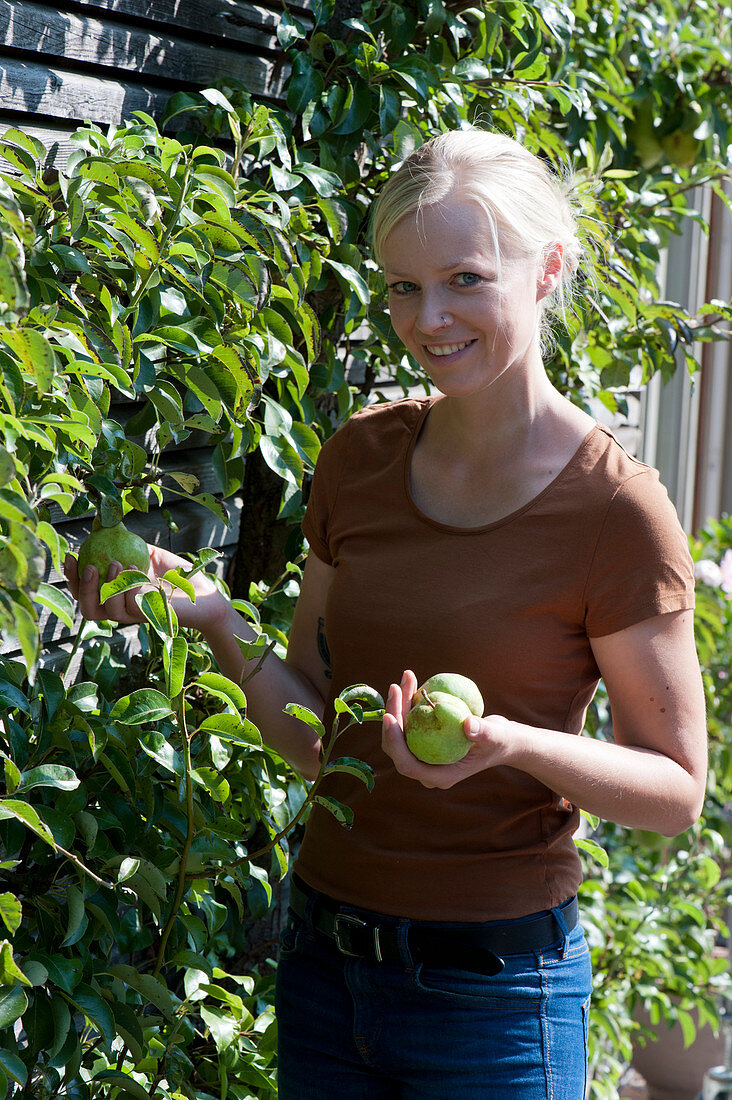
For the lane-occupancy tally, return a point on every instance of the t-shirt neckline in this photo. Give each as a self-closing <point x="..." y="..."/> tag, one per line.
<point x="453" y="529"/>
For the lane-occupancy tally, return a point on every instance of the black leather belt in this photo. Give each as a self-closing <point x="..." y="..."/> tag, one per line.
<point x="470" y="947"/>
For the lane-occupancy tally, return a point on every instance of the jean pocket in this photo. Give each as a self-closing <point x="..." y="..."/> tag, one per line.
<point x="503" y="992"/>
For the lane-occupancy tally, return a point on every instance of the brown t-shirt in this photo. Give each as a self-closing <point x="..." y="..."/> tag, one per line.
<point x="512" y="605"/>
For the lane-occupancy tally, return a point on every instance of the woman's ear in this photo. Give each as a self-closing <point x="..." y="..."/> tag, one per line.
<point x="550" y="272"/>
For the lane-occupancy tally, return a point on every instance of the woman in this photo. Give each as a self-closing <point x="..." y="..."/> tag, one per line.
<point x="498" y="531"/>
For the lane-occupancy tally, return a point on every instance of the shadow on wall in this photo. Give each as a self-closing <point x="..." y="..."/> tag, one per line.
<point x="51" y="72"/>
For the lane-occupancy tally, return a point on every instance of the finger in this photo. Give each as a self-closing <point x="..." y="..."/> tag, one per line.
<point x="394" y="702"/>
<point x="473" y="727"/>
<point x="88" y="594"/>
<point x="409" y="686"/>
<point x="71" y="573"/>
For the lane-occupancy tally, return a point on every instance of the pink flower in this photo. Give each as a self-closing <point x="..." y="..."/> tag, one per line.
<point x="708" y="572"/>
<point x="725" y="567"/>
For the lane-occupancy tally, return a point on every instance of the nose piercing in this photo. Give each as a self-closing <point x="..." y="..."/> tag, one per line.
<point x="443" y="318"/>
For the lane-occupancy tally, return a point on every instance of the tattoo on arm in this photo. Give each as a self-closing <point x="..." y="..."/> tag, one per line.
<point x="323" y="648"/>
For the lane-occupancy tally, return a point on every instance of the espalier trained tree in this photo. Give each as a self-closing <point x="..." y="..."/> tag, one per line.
<point x="217" y="282"/>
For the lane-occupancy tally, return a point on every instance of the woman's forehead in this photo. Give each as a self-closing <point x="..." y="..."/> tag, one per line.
<point x="450" y="230"/>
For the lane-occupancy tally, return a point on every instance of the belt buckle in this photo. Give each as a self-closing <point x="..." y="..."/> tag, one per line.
<point x="355" y="922"/>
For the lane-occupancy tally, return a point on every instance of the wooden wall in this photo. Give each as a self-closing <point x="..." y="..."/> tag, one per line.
<point x="98" y="61"/>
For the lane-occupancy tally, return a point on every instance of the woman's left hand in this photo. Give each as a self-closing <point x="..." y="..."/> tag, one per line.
<point x="490" y="736"/>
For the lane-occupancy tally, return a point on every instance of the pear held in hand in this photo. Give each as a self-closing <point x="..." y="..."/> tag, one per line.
<point x="107" y="544"/>
<point x="452" y="683"/>
<point x="434" y="725"/>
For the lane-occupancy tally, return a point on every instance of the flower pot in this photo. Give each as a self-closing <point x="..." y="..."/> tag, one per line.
<point x="671" y="1070"/>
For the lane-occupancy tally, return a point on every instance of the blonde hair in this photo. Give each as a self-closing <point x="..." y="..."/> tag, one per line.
<point x="527" y="206"/>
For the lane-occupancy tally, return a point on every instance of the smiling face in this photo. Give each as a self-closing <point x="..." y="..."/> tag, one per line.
<point x="441" y="265"/>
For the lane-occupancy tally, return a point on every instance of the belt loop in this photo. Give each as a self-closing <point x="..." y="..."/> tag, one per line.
<point x="311" y="902"/>
<point x="402" y="932"/>
<point x="559" y="918"/>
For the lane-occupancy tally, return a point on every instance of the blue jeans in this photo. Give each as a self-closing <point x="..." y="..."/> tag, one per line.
<point x="360" y="1030"/>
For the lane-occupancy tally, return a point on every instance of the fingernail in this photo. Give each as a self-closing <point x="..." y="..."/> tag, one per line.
<point x="88" y="573"/>
<point x="471" y="725"/>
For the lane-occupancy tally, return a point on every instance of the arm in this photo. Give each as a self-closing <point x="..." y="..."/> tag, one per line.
<point x="651" y="777"/>
<point x="301" y="678"/>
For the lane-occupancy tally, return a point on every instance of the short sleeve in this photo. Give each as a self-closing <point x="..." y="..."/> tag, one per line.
<point x="323" y="494"/>
<point x="641" y="564"/>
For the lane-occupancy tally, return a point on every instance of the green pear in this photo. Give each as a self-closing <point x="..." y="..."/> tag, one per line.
<point x="681" y="148"/>
<point x="434" y="728"/>
<point x="107" y="544"/>
<point x="642" y="132"/>
<point x="452" y="683"/>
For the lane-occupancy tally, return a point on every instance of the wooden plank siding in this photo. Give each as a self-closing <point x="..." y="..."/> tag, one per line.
<point x="99" y="61"/>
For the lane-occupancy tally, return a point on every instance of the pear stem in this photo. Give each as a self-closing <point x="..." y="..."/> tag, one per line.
<point x="428" y="699"/>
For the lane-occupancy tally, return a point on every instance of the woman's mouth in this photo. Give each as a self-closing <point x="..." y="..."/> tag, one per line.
<point x="447" y="349"/>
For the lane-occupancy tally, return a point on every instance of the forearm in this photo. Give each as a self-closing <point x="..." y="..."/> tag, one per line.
<point x="630" y="785"/>
<point x="275" y="684"/>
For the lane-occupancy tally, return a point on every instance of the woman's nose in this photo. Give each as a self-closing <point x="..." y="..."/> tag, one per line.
<point x="433" y="317"/>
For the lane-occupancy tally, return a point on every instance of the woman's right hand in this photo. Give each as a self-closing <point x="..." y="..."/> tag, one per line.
<point x="209" y="608"/>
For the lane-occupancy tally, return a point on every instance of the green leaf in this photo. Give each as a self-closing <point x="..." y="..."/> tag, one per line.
<point x="593" y="849"/>
<point x="15" y="508"/>
<point x="77" y="918"/>
<point x="13" y="698"/>
<point x="154" y="744"/>
<point x="129" y="1028"/>
<point x="10" y="972"/>
<point x="12" y="775"/>
<point x="355" y="767"/>
<point x="352" y="277"/>
<point x="123" y="582"/>
<point x="306" y="715"/>
<point x="13" y="1067"/>
<point x="35" y="972"/>
<point x="215" y="784"/>
<point x="100" y="170"/>
<point x="305" y="84"/>
<point x="356" y="109"/>
<point x="213" y="95"/>
<point x="146" y="705"/>
<point x="179" y="579"/>
<point x="175" y="657"/>
<point x="282" y="457"/>
<point x="34" y="352"/>
<point x="127" y="868"/>
<point x="362" y="693"/>
<point x="11" y="912"/>
<point x="230" y="727"/>
<point x="13" y="1003"/>
<point x="149" y="988"/>
<point x="56" y="544"/>
<point x="10" y="807"/>
<point x="124" y="1085"/>
<point x="213" y="683"/>
<point x="188" y="482"/>
<point x="50" y="775"/>
<point x="342" y="813"/>
<point x="58" y="602"/>
<point x="155" y="608"/>
<point x="96" y="1011"/>
<point x="139" y="233"/>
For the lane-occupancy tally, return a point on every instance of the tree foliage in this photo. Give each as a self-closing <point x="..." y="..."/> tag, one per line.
<point x="216" y="284"/>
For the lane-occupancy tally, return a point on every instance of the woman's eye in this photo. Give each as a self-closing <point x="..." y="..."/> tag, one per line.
<point x="402" y="287"/>
<point x="467" y="278"/>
